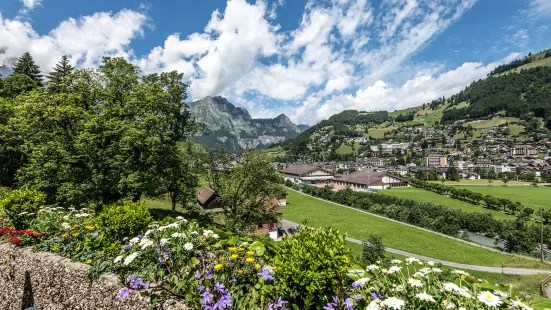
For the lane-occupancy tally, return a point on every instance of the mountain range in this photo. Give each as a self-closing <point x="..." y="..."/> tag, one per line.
<point x="233" y="128"/>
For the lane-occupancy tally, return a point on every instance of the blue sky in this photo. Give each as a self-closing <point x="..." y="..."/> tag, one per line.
<point x="307" y="59"/>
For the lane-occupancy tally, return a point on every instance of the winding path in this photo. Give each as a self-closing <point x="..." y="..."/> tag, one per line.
<point x="504" y="270"/>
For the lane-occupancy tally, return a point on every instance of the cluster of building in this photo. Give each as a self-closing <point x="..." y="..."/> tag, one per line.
<point x="360" y="180"/>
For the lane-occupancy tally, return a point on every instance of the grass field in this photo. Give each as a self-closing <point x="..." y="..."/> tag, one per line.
<point x="516" y="130"/>
<point x="493" y="122"/>
<point x="347" y="149"/>
<point x="430" y="117"/>
<point x="481" y="182"/>
<point x="359" y="225"/>
<point x="379" y="133"/>
<point x="426" y="196"/>
<point x="530" y="196"/>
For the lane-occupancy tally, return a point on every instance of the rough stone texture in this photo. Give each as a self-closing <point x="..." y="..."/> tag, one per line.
<point x="49" y="282"/>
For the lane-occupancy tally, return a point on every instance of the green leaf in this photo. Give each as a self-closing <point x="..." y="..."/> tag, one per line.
<point x="258" y="247"/>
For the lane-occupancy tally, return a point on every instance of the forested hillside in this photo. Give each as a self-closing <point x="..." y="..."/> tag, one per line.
<point x="524" y="95"/>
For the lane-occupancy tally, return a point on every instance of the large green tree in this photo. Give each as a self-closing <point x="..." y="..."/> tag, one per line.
<point x="245" y="187"/>
<point x="105" y="136"/>
<point x="60" y="73"/>
<point x="26" y="65"/>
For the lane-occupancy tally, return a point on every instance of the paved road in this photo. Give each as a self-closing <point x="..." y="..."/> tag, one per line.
<point x="505" y="270"/>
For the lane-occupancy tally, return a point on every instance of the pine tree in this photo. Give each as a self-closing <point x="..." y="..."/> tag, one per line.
<point x="25" y="65"/>
<point x="61" y="70"/>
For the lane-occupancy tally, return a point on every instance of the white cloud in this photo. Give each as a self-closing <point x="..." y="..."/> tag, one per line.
<point x="85" y="40"/>
<point x="422" y="88"/>
<point x="519" y="38"/>
<point x="31" y="4"/>
<point x="539" y="9"/>
<point x="340" y="46"/>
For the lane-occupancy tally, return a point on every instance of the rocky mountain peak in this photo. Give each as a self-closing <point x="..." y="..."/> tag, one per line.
<point x="233" y="127"/>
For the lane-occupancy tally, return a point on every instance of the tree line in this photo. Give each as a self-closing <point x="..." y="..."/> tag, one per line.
<point x="517" y="235"/>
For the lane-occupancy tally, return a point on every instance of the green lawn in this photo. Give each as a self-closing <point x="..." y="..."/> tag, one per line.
<point x="426" y="196"/>
<point x="492" y="122"/>
<point x="480" y="182"/>
<point x="516" y="130"/>
<point x="359" y="225"/>
<point x="347" y="149"/>
<point x="379" y="133"/>
<point x="529" y="196"/>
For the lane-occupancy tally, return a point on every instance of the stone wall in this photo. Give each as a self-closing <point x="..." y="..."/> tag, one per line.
<point x="49" y="282"/>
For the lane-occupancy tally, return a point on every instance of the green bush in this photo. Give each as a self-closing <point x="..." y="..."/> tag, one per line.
<point x="126" y="220"/>
<point x="311" y="267"/>
<point x="20" y="206"/>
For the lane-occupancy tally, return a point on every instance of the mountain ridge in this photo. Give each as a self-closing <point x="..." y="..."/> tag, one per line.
<point x="233" y="128"/>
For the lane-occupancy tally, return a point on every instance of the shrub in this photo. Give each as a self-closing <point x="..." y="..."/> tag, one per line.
<point x="311" y="267"/>
<point x="129" y="219"/>
<point x="20" y="206"/>
<point x="373" y="250"/>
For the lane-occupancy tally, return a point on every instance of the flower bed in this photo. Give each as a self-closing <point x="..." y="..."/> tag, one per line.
<point x="178" y="261"/>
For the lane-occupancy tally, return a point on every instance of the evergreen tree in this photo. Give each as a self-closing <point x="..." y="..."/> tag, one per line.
<point x="61" y="70"/>
<point x="25" y="65"/>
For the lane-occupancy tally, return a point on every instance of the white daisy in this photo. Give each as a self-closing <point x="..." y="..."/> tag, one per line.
<point x="118" y="259"/>
<point x="66" y="225"/>
<point x="396" y="261"/>
<point x="411" y="260"/>
<point x="489" y="299"/>
<point x="372" y="267"/>
<point x="425" y="297"/>
<point x="373" y="305"/>
<point x="394" y="269"/>
<point x="177" y="235"/>
<point x="415" y="282"/>
<point x="393" y="303"/>
<point x="188" y="246"/>
<point x="460" y="272"/>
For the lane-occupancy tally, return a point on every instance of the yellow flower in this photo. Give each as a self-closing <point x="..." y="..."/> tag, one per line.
<point x="87" y="223"/>
<point x="68" y="255"/>
<point x="233" y="256"/>
<point x="74" y="235"/>
<point x="89" y="227"/>
<point x="64" y="235"/>
<point x="74" y="227"/>
<point x="232" y="249"/>
<point x="54" y="248"/>
<point x="240" y="271"/>
<point x="221" y="259"/>
<point x="218" y="266"/>
<point x="250" y="253"/>
<point x="249" y="260"/>
<point x="256" y="266"/>
<point x="89" y="261"/>
<point x="240" y="249"/>
<point x="77" y="249"/>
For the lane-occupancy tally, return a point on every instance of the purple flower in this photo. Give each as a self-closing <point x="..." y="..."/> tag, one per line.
<point x="140" y="236"/>
<point x="376" y="296"/>
<point x="219" y="298"/>
<point x="349" y="304"/>
<point x="357" y="284"/>
<point x="124" y="292"/>
<point x="359" y="297"/>
<point x="266" y="274"/>
<point x="95" y="234"/>
<point x="279" y="305"/>
<point x="332" y="305"/>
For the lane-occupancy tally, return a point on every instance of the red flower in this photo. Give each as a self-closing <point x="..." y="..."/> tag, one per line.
<point x="13" y="240"/>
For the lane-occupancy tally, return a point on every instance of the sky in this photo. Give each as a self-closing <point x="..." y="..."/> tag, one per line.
<point x="307" y="59"/>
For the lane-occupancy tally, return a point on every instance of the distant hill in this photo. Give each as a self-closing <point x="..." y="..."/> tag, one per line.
<point x="232" y="128"/>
